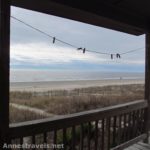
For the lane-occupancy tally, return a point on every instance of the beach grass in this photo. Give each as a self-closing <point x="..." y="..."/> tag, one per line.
<point x="17" y="115"/>
<point x="61" y="102"/>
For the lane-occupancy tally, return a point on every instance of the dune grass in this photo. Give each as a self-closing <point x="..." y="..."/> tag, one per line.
<point x="62" y="102"/>
<point x="17" y="115"/>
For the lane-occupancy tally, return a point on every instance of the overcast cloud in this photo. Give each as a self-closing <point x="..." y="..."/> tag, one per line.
<point x="30" y="48"/>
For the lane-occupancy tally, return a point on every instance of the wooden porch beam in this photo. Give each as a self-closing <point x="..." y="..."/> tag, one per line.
<point x="4" y="69"/>
<point x="91" y="12"/>
<point x="147" y="82"/>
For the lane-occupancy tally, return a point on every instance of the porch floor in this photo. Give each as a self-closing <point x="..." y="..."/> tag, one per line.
<point x="139" y="146"/>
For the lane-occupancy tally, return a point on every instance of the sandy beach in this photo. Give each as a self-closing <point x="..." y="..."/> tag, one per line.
<point x="68" y="85"/>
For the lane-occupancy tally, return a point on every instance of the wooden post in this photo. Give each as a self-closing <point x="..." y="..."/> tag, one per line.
<point x="147" y="83"/>
<point x="4" y="70"/>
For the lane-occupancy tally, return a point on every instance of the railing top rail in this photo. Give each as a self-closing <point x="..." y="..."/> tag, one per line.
<point x="39" y="126"/>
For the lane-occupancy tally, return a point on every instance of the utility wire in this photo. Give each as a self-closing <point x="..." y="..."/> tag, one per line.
<point x="71" y="45"/>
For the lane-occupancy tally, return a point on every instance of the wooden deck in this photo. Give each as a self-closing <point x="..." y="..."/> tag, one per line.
<point x="139" y="146"/>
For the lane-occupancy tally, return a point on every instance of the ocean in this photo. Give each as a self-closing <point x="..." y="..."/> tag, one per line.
<point x="51" y="75"/>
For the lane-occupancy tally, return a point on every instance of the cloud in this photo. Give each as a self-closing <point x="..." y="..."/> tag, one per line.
<point x="39" y="53"/>
<point x="45" y="54"/>
<point x="33" y="48"/>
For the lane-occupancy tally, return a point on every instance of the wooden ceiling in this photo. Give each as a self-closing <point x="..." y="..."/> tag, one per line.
<point x="129" y="16"/>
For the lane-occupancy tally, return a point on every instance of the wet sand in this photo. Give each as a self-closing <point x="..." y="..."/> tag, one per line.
<point x="68" y="85"/>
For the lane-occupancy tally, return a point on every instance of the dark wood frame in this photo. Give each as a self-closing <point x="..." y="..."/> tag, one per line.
<point x="94" y="12"/>
<point x="4" y="75"/>
<point x="147" y="83"/>
<point x="4" y="69"/>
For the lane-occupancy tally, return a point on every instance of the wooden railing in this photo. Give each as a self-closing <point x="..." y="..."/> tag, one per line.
<point x="98" y="129"/>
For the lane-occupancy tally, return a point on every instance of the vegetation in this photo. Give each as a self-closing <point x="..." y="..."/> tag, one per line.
<point x="17" y="115"/>
<point x="60" y="102"/>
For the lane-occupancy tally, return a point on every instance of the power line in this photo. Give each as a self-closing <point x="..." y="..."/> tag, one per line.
<point x="118" y="55"/>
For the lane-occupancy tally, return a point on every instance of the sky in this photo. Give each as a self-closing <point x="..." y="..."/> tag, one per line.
<point x="33" y="50"/>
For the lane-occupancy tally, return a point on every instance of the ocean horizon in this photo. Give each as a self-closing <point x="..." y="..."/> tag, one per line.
<point x="51" y="75"/>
